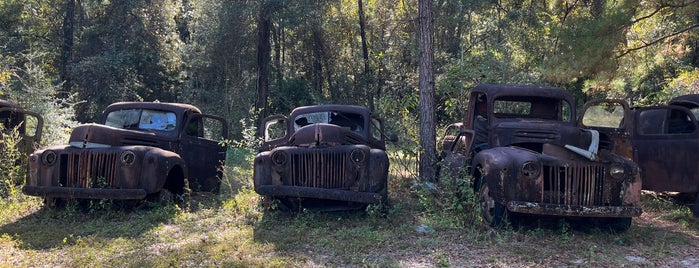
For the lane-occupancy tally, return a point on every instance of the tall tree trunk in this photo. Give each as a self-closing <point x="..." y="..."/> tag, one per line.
<point x="263" y="57"/>
<point x="427" y="125"/>
<point x="67" y="46"/>
<point x="366" y="76"/>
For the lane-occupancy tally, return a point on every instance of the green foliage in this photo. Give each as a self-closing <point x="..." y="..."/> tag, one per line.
<point x="31" y="87"/>
<point x="128" y="52"/>
<point x="11" y="172"/>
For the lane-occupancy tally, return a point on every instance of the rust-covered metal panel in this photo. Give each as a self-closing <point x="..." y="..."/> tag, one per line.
<point x="665" y="142"/>
<point x="139" y="149"/>
<point x="324" y="152"/>
<point x="532" y="155"/>
<point x="29" y="125"/>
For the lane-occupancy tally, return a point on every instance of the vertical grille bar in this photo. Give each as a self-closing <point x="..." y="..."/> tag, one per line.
<point x="575" y="184"/>
<point x="91" y="169"/>
<point x="318" y="169"/>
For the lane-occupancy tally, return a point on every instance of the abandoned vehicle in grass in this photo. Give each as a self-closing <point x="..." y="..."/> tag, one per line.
<point x="527" y="154"/>
<point x="665" y="145"/>
<point x="323" y="157"/>
<point x="139" y="150"/>
<point x="29" y="125"/>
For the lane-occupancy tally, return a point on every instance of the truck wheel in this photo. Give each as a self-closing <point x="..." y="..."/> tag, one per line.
<point x="165" y="196"/>
<point x="618" y="224"/>
<point x="55" y="202"/>
<point x="492" y="212"/>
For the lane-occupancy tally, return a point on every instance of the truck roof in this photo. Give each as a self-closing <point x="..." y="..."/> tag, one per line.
<point x="689" y="100"/>
<point x="6" y="103"/>
<point x="497" y="90"/>
<point x="331" y="107"/>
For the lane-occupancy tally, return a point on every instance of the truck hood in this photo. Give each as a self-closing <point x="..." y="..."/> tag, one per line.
<point x="322" y="134"/>
<point x="99" y="136"/>
<point x="540" y="132"/>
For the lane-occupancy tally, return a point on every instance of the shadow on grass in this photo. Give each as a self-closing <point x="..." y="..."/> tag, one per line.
<point x="50" y="227"/>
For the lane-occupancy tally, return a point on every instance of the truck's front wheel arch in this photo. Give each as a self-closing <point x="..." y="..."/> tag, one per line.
<point x="175" y="181"/>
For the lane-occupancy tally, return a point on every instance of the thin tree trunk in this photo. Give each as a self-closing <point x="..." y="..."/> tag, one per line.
<point x="67" y="47"/>
<point x="366" y="76"/>
<point x="427" y="169"/>
<point x="263" y="57"/>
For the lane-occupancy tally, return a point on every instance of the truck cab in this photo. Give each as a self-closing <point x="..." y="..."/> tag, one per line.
<point x="526" y="152"/>
<point x="326" y="157"/>
<point x="139" y="149"/>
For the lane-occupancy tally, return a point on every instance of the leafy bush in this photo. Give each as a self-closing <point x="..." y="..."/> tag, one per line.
<point x="11" y="171"/>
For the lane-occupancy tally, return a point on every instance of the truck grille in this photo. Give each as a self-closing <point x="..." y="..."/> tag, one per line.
<point x="574" y="185"/>
<point x="319" y="169"/>
<point x="88" y="170"/>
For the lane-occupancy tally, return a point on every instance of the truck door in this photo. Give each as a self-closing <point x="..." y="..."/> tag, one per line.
<point x="665" y="146"/>
<point x="203" y="150"/>
<point x="611" y="118"/>
<point x="28" y="124"/>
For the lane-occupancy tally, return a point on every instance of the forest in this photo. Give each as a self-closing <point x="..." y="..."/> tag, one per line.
<point x="241" y="60"/>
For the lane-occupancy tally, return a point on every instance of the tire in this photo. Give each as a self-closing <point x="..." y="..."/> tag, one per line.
<point x="492" y="212"/>
<point x="619" y="224"/>
<point x="53" y="202"/>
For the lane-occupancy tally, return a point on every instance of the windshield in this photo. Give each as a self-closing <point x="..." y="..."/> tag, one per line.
<point x="352" y="121"/>
<point x="532" y="107"/>
<point x="142" y="119"/>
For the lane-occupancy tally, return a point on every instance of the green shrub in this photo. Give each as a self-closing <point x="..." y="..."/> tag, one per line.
<point x="11" y="171"/>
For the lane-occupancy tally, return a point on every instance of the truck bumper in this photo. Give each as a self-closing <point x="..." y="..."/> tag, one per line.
<point x="319" y="193"/>
<point x="84" y="193"/>
<point x="573" y="211"/>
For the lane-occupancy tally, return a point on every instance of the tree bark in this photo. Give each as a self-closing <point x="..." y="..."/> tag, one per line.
<point x="263" y="58"/>
<point x="67" y="46"/>
<point x="427" y="168"/>
<point x="366" y="76"/>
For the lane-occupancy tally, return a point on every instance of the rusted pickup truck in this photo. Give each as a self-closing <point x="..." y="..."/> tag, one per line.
<point x="139" y="150"/>
<point x="323" y="157"/>
<point x="28" y="124"/>
<point x="526" y="153"/>
<point x="665" y="146"/>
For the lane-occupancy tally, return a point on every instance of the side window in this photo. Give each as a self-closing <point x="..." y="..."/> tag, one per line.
<point x="214" y="129"/>
<point x="32" y="125"/>
<point x="651" y="122"/>
<point x="376" y="128"/>
<point x="192" y="128"/>
<point x="566" y="112"/>
<point x="665" y="121"/>
<point x="274" y="129"/>
<point x="604" y="114"/>
<point x="680" y="122"/>
<point x="206" y="127"/>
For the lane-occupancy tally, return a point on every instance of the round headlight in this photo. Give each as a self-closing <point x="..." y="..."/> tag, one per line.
<point x="531" y="169"/>
<point x="49" y="158"/>
<point x="617" y="171"/>
<point x="357" y="155"/>
<point x="127" y="157"/>
<point x="279" y="158"/>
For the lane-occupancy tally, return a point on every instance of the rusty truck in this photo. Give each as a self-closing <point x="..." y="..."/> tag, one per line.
<point x="138" y="150"/>
<point x="524" y="152"/>
<point x="29" y="125"/>
<point x="665" y="142"/>
<point x="324" y="157"/>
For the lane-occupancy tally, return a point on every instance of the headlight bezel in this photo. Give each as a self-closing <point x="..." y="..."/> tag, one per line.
<point x="49" y="157"/>
<point x="530" y="169"/>
<point x="617" y="171"/>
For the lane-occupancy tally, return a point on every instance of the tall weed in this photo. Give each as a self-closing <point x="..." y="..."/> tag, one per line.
<point x="11" y="169"/>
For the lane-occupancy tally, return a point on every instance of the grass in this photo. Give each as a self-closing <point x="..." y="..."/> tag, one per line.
<point x="421" y="227"/>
